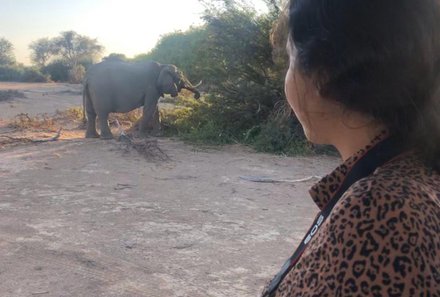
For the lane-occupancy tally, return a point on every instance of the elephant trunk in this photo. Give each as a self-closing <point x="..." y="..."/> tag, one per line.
<point x="194" y="90"/>
<point x="188" y="85"/>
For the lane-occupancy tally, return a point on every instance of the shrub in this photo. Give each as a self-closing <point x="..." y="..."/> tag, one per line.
<point x="76" y="74"/>
<point x="281" y="133"/>
<point x="23" y="121"/>
<point x="10" y="73"/>
<point x="57" y="70"/>
<point x="32" y="74"/>
<point x="21" y="73"/>
<point x="195" y="121"/>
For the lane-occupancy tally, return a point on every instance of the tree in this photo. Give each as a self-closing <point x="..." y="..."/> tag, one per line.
<point x="6" y="52"/>
<point x="42" y="50"/>
<point x="246" y="85"/>
<point x="74" y="48"/>
<point x="183" y="49"/>
<point x="242" y="76"/>
<point x="57" y="70"/>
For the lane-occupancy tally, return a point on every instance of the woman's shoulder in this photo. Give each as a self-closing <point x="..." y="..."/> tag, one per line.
<point x="405" y="179"/>
<point x="403" y="196"/>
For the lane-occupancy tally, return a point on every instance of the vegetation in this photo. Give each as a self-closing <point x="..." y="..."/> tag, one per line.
<point x="231" y="52"/>
<point x="12" y="71"/>
<point x="184" y="49"/>
<point x="242" y="79"/>
<point x="66" y="57"/>
<point x="20" y="73"/>
<point x="6" y="52"/>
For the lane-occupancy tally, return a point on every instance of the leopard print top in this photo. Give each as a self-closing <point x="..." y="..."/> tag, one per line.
<point x="381" y="239"/>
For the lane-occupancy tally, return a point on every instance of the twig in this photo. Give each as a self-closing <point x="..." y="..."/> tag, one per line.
<point x="148" y="148"/>
<point x="24" y="139"/>
<point x="264" y="179"/>
<point x="54" y="138"/>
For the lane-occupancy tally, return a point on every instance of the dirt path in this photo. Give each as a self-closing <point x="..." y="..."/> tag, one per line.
<point x="83" y="218"/>
<point x="40" y="98"/>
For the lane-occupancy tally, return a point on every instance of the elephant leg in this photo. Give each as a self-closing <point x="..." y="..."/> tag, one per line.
<point x="147" y="117"/>
<point x="91" y="124"/>
<point x="103" y="124"/>
<point x="155" y="122"/>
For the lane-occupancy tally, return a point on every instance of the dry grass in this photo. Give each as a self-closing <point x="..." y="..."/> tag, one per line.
<point x="24" y="122"/>
<point x="127" y="120"/>
<point x="73" y="113"/>
<point x="69" y="119"/>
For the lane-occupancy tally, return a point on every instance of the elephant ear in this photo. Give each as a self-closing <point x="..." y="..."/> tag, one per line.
<point x="167" y="81"/>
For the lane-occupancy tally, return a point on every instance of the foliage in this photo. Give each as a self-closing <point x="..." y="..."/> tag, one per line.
<point x="191" y="120"/>
<point x="33" y="74"/>
<point x="21" y="73"/>
<point x="66" y="57"/>
<point x="280" y="133"/>
<point x="57" y="70"/>
<point x="243" y="78"/>
<point x="183" y="49"/>
<point x="6" y="52"/>
<point x="41" y="51"/>
<point x="74" y="48"/>
<point x="10" y="73"/>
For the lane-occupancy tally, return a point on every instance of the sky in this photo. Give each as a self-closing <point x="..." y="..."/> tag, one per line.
<point x="130" y="27"/>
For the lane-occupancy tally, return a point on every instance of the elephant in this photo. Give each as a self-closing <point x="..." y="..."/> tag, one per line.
<point x="118" y="86"/>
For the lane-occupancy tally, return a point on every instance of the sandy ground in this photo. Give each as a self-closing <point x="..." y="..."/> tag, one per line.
<point x="84" y="218"/>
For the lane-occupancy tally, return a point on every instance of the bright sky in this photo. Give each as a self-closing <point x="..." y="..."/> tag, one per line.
<point x="123" y="26"/>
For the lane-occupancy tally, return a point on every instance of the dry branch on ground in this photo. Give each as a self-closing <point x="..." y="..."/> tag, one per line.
<point x="8" y="140"/>
<point x="146" y="147"/>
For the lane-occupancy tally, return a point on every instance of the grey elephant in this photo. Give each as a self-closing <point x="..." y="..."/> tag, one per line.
<point x="118" y="86"/>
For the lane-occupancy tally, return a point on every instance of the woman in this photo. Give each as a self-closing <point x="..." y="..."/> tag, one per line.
<point x="364" y="76"/>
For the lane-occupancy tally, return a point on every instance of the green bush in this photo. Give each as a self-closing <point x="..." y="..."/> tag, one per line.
<point x="10" y="73"/>
<point x="195" y="122"/>
<point x="233" y="55"/>
<point x="21" y="73"/>
<point x="32" y="74"/>
<point x="57" y="70"/>
<point x="183" y="49"/>
<point x="280" y="135"/>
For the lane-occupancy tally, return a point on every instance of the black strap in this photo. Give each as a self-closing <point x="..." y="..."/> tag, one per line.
<point x="374" y="158"/>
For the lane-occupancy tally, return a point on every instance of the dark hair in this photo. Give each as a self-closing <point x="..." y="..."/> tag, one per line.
<point x="378" y="57"/>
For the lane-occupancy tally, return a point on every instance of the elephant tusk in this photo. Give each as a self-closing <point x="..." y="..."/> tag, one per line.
<point x="199" y="84"/>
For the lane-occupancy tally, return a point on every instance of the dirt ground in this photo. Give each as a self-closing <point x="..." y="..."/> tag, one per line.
<point x="85" y="218"/>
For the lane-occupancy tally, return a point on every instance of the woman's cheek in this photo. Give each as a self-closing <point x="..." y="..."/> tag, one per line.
<point x="293" y="88"/>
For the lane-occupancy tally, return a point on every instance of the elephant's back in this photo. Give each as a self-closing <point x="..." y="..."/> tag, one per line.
<point x="115" y="69"/>
<point x="117" y="86"/>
